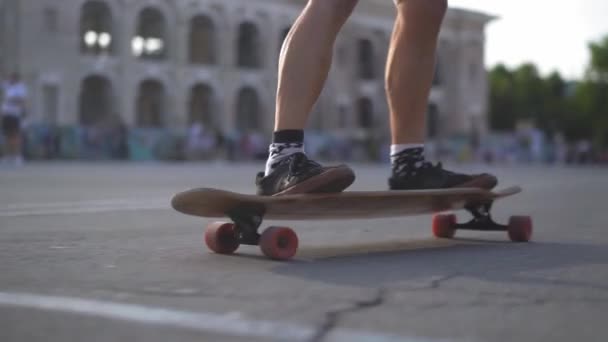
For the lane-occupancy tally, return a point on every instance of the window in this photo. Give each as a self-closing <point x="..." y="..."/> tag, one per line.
<point x="202" y="40"/>
<point x="248" y="110"/>
<point x="95" y="100"/>
<point x="150" y="104"/>
<point x="366" y="60"/>
<point x="201" y="105"/>
<point x="150" y="39"/>
<point x="366" y="113"/>
<point x="95" y="28"/>
<point x="248" y="46"/>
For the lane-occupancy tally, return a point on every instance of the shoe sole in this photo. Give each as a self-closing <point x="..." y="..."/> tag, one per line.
<point x="332" y="180"/>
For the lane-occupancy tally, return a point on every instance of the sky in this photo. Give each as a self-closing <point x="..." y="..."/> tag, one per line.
<point x="553" y="34"/>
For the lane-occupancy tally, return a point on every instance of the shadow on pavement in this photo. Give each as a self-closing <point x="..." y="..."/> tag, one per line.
<point x="377" y="265"/>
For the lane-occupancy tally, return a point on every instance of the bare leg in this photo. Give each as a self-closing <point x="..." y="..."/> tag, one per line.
<point x="409" y="76"/>
<point x="306" y="58"/>
<point x="304" y="65"/>
<point x="410" y="66"/>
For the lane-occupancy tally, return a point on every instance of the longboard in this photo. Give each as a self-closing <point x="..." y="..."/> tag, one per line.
<point x="246" y="213"/>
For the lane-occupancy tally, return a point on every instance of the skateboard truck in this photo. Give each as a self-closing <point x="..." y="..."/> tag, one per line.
<point x="519" y="228"/>
<point x="279" y="243"/>
<point x="482" y="218"/>
<point x="247" y="220"/>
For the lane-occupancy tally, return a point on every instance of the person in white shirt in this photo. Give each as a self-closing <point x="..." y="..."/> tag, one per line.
<point x="13" y="111"/>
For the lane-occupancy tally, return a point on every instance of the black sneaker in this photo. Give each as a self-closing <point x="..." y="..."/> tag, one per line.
<point x="429" y="176"/>
<point x="297" y="174"/>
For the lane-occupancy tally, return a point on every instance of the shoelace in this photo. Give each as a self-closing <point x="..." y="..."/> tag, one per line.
<point x="402" y="163"/>
<point x="299" y="163"/>
<point x="434" y="168"/>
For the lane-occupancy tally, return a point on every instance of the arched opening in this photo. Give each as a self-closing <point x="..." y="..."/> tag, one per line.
<point x="202" y="40"/>
<point x="201" y="106"/>
<point x="150" y="38"/>
<point x="248" y="48"/>
<point x="150" y="104"/>
<point x="365" y="113"/>
<point x="366" y="59"/>
<point x="95" y="100"/>
<point x="248" y="110"/>
<point x="96" y="28"/>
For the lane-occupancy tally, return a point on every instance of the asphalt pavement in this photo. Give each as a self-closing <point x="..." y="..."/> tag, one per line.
<point x="93" y="252"/>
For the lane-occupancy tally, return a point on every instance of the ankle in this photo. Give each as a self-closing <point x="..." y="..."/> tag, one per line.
<point x="284" y="144"/>
<point x="406" y="158"/>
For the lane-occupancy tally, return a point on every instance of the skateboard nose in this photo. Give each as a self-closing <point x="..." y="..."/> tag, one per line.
<point x="179" y="202"/>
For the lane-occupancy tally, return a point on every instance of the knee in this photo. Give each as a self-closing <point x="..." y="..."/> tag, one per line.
<point x="339" y="9"/>
<point x="429" y="8"/>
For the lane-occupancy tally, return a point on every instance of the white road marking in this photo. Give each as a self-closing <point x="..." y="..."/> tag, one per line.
<point x="231" y="324"/>
<point x="83" y="207"/>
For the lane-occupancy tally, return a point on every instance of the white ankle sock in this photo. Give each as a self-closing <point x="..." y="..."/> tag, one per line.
<point x="398" y="148"/>
<point x="278" y="151"/>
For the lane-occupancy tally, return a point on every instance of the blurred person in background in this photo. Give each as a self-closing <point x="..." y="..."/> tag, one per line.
<point x="13" y="112"/>
<point x="200" y="142"/>
<point x="304" y="64"/>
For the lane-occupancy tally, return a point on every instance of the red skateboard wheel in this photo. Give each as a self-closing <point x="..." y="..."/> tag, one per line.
<point x="279" y="243"/>
<point x="221" y="237"/>
<point x="520" y="228"/>
<point x="444" y="226"/>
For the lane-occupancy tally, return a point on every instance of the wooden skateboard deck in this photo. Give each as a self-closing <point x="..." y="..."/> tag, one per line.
<point x="246" y="213"/>
<point x="206" y="202"/>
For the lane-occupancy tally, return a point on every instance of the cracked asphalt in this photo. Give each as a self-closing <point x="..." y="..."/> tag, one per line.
<point x="92" y="251"/>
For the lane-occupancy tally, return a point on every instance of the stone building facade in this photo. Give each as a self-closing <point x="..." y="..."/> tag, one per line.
<point x="167" y="63"/>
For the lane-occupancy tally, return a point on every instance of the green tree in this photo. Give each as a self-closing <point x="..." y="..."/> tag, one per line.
<point x="529" y="92"/>
<point x="590" y="118"/>
<point x="502" y="99"/>
<point x="598" y="68"/>
<point x="556" y="104"/>
<point x="522" y="94"/>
